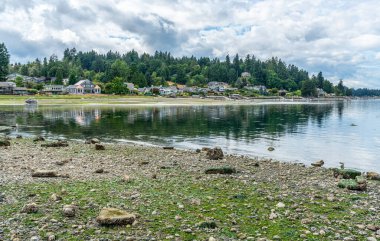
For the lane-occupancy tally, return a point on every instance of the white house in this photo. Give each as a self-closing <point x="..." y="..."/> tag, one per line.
<point x="83" y="87"/>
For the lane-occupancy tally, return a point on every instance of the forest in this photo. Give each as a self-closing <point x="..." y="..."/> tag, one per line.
<point x="112" y="69"/>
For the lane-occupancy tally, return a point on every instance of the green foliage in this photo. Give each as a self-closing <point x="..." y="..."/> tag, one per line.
<point x="146" y="70"/>
<point x="4" y="62"/>
<point x="346" y="173"/>
<point x="116" y="86"/>
<point x="308" y="88"/>
<point x="19" y="81"/>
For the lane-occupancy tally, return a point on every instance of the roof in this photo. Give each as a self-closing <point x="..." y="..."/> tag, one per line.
<point x="97" y="87"/>
<point x="7" y="84"/>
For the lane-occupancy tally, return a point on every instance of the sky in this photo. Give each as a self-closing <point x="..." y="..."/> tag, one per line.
<point x="341" y="38"/>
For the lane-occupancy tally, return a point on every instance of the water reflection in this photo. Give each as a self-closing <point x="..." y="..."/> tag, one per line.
<point x="298" y="132"/>
<point x="231" y="122"/>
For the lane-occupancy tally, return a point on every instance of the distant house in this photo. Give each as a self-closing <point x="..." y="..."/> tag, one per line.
<point x="13" y="76"/>
<point x="83" y="87"/>
<point x="20" y="91"/>
<point x="168" y="90"/>
<point x="54" y="89"/>
<point x="130" y="86"/>
<point x="217" y="86"/>
<point x="321" y="92"/>
<point x="6" y="88"/>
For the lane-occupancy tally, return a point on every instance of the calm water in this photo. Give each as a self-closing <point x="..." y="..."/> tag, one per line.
<point x="303" y="133"/>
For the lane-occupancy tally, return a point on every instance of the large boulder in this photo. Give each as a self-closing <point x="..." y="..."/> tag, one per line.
<point x="373" y="176"/>
<point x="114" y="216"/>
<point x="215" y="153"/>
<point x="69" y="210"/>
<point x="99" y="147"/>
<point x="358" y="184"/>
<point x="346" y="173"/>
<point x="319" y="163"/>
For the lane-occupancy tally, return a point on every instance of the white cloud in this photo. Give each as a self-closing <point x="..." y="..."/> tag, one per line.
<point x="340" y="38"/>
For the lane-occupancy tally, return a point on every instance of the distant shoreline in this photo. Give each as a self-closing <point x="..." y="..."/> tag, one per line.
<point x="111" y="100"/>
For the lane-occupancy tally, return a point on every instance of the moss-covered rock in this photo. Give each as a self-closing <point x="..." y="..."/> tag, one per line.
<point x="221" y="170"/>
<point x="352" y="184"/>
<point x="208" y="225"/>
<point x="346" y="173"/>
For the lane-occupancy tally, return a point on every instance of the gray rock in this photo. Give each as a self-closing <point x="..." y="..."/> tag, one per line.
<point x="215" y="154"/>
<point x="69" y="210"/>
<point x="30" y="208"/>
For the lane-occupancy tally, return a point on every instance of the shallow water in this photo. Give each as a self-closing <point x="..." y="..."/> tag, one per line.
<point x="336" y="132"/>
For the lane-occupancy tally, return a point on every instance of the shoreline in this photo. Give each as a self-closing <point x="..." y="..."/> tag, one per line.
<point x="155" y="101"/>
<point x="172" y="195"/>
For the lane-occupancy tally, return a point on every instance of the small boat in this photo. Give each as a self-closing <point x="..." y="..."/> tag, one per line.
<point x="31" y="102"/>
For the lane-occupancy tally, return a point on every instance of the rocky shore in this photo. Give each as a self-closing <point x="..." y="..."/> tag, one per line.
<point x="52" y="191"/>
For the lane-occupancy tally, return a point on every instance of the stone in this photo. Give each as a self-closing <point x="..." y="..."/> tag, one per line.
<point x="113" y="216"/>
<point x="69" y="210"/>
<point x="373" y="228"/>
<point x="211" y="239"/>
<point x="273" y="216"/>
<point x="127" y="178"/>
<point x="371" y="239"/>
<point x="215" y="154"/>
<point x="94" y="141"/>
<point x="270" y="148"/>
<point x="39" y="138"/>
<point x="19" y="137"/>
<point x="220" y="170"/>
<point x="319" y="163"/>
<point x="34" y="238"/>
<point x="51" y="238"/>
<point x="30" y="208"/>
<point x="168" y="148"/>
<point x="198" y="150"/>
<point x="5" y="142"/>
<point x="208" y="225"/>
<point x="280" y="205"/>
<point x="373" y="176"/>
<point x="100" y="170"/>
<point x="99" y="147"/>
<point x="346" y="173"/>
<point x="54" y="197"/>
<point x="352" y="184"/>
<point x="45" y="173"/>
<point x="56" y="144"/>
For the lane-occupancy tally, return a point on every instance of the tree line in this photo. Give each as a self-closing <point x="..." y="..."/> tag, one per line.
<point x="112" y="69"/>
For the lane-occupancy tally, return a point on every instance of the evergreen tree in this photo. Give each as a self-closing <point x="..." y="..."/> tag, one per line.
<point x="4" y="62"/>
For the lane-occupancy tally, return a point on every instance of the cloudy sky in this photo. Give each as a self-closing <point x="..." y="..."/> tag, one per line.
<point x="341" y="38"/>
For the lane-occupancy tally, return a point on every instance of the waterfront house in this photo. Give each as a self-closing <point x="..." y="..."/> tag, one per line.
<point x="54" y="89"/>
<point x="6" y="88"/>
<point x="217" y="86"/>
<point x="83" y="87"/>
<point x="20" y="91"/>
